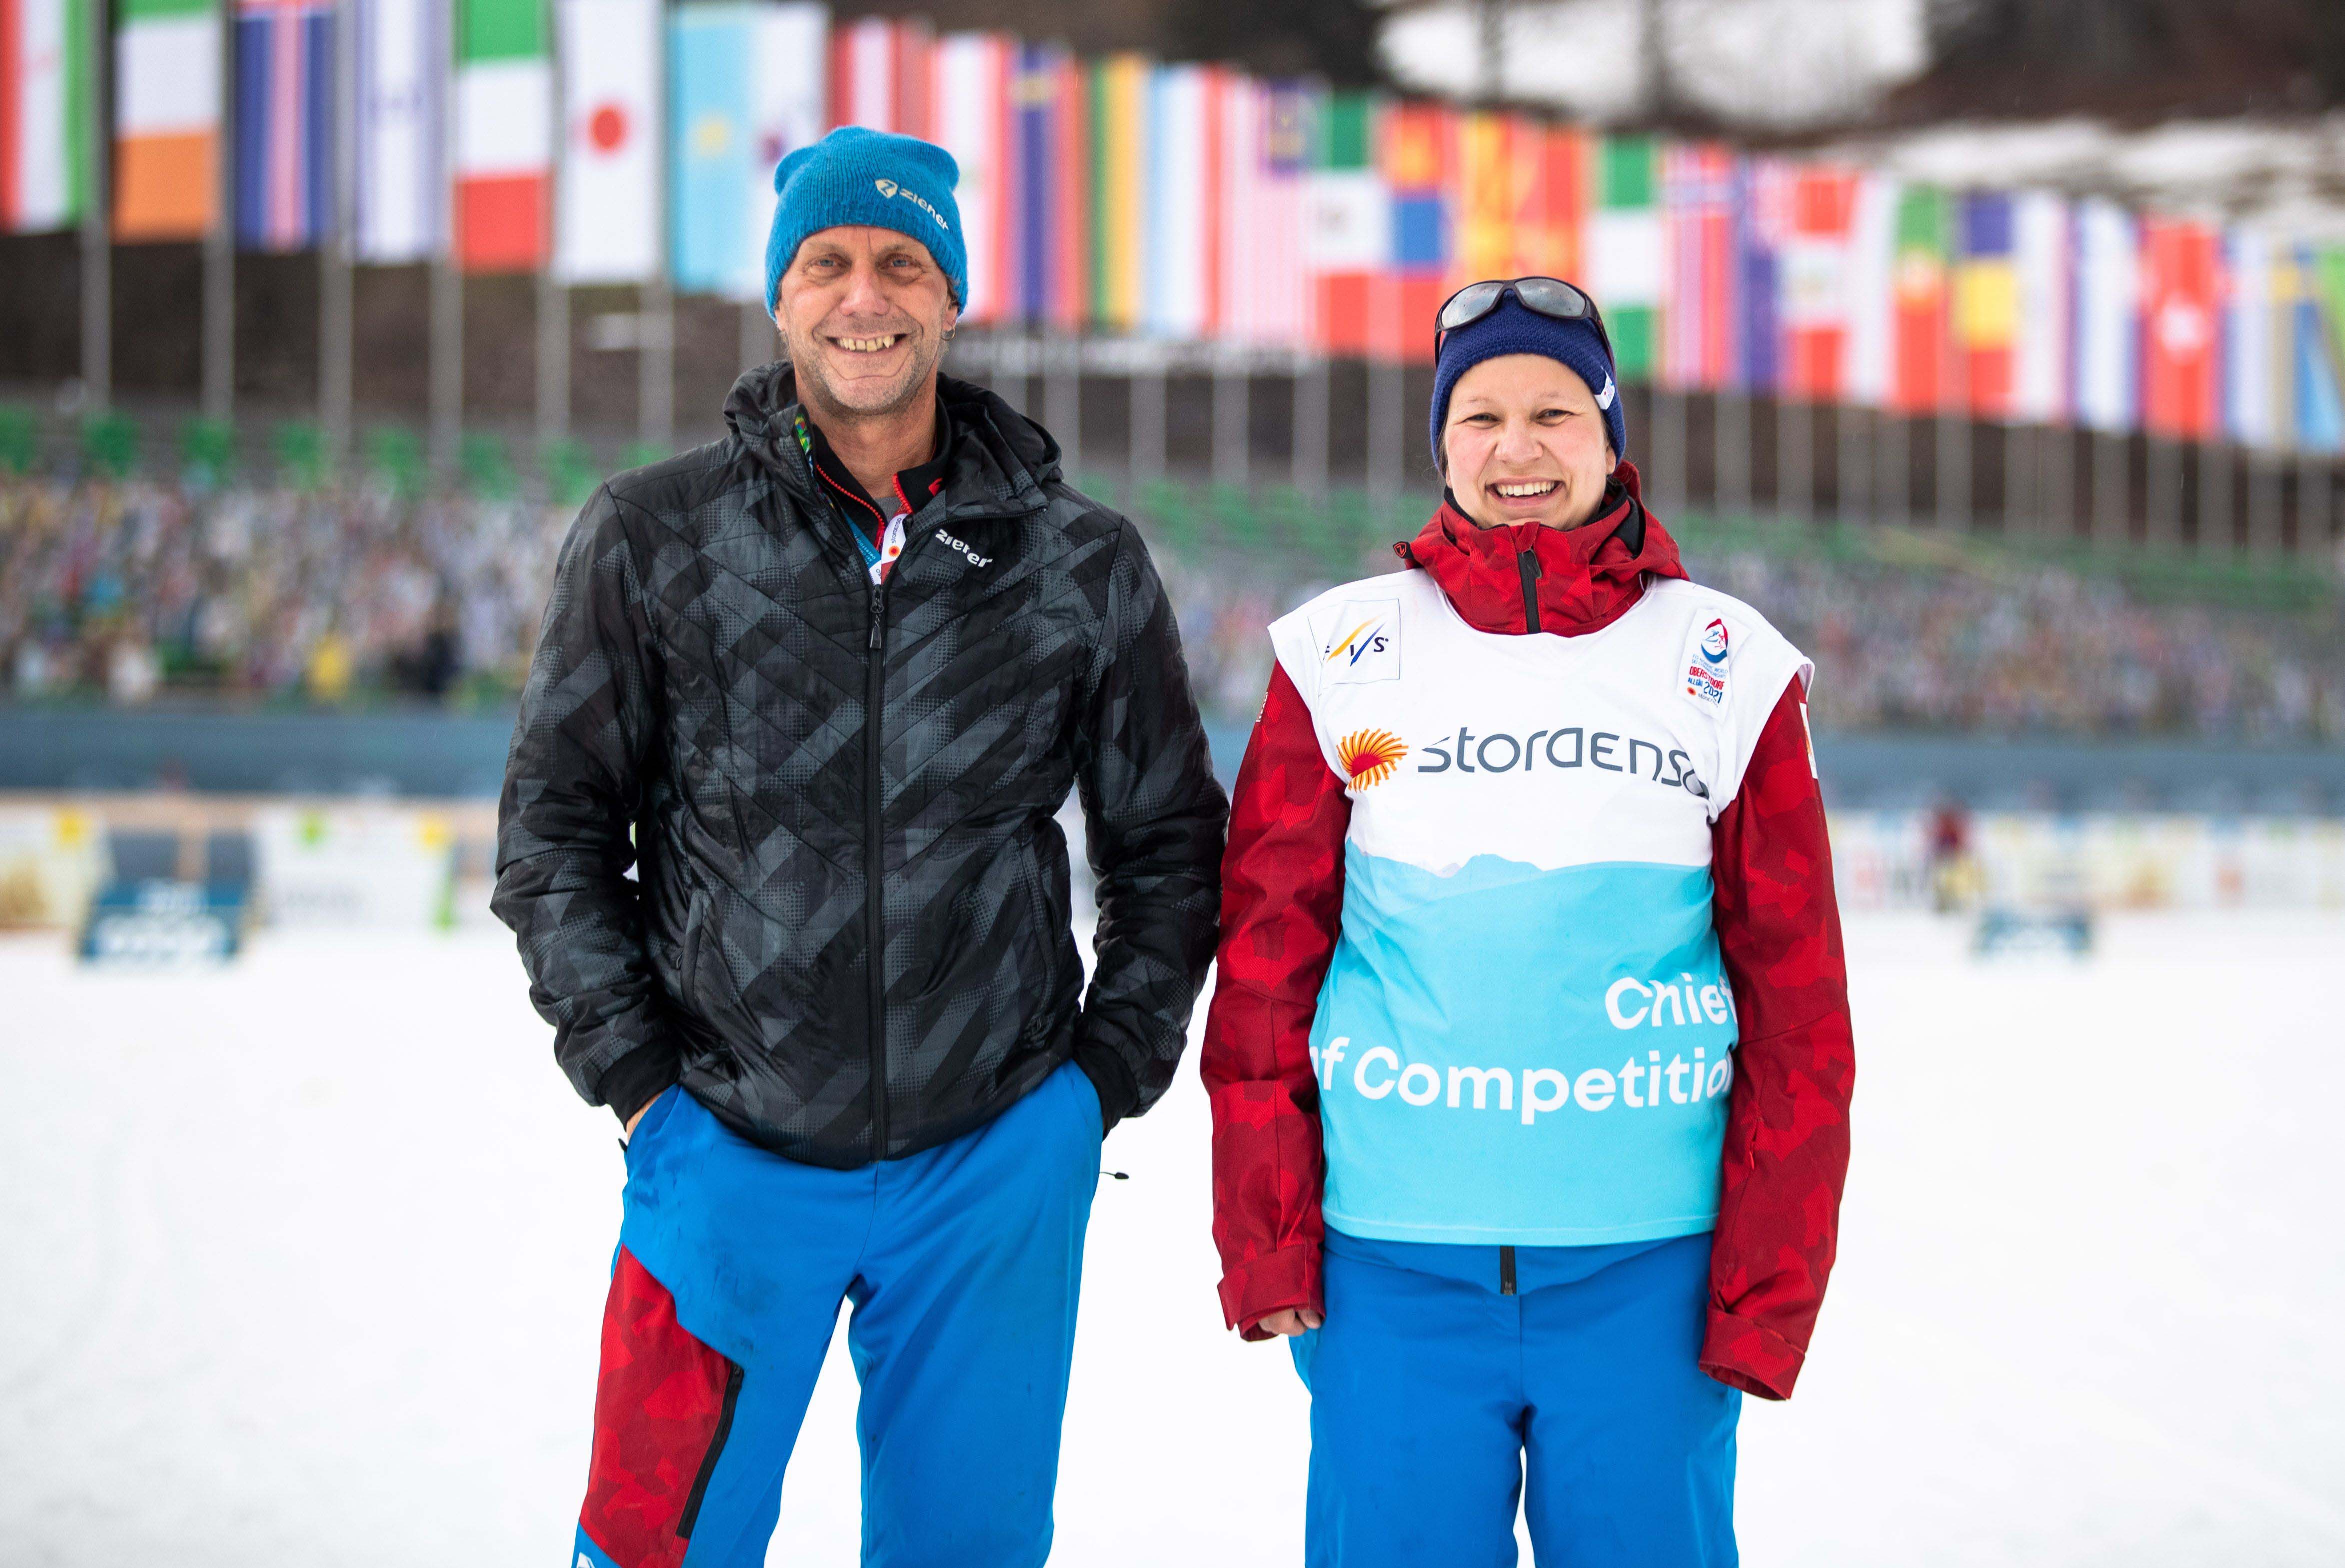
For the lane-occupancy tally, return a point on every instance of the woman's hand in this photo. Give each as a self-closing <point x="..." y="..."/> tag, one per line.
<point x="1292" y="1320"/>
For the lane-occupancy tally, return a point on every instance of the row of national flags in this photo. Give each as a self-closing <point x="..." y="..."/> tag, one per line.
<point x="624" y="140"/>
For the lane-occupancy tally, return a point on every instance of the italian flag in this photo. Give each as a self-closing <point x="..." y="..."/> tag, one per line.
<point x="1625" y="258"/>
<point x="44" y="113"/>
<point x="167" y="110"/>
<point x="504" y="136"/>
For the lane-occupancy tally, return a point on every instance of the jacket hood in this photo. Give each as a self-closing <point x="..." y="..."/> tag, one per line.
<point x="1000" y="463"/>
<point x="1527" y="577"/>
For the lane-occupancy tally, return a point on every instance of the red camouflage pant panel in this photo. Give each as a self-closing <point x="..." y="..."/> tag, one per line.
<point x="661" y="1410"/>
<point x="1282" y="906"/>
<point x="1787" y="1130"/>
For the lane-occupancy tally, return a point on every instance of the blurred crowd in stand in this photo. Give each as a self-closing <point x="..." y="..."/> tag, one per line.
<point x="133" y="590"/>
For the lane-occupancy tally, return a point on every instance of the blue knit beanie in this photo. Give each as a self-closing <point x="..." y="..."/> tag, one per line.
<point x="1515" y="329"/>
<point x="859" y="175"/>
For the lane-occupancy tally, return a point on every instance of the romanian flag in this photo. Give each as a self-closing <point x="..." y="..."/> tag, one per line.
<point x="1987" y="302"/>
<point x="1698" y="288"/>
<point x="1920" y="381"/>
<point x="2181" y="348"/>
<point x="1817" y="275"/>
<point x="167" y="110"/>
<point x="1420" y="167"/>
<point x="1119" y="190"/>
<point x="45" y="129"/>
<point x="881" y="77"/>
<point x="1347" y="221"/>
<point x="505" y="136"/>
<point x="1626" y="263"/>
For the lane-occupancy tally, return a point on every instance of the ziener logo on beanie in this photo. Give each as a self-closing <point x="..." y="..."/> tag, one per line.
<point x="890" y="190"/>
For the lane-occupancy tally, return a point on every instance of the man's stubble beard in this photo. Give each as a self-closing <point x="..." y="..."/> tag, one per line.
<point x="814" y="387"/>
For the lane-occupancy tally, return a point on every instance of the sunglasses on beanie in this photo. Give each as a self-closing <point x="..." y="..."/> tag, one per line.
<point x="1550" y="297"/>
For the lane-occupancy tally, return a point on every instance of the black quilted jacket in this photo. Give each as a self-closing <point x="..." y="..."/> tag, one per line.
<point x="809" y="772"/>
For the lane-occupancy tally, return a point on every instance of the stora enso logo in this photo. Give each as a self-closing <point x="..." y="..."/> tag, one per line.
<point x="890" y="190"/>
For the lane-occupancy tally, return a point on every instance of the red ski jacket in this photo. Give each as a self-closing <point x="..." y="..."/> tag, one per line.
<point x="1786" y="1149"/>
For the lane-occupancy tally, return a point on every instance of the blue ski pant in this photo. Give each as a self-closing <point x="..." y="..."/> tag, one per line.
<point x="1438" y="1402"/>
<point x="962" y="1264"/>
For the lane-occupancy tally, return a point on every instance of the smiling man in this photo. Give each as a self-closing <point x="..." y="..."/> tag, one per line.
<point x="824" y="684"/>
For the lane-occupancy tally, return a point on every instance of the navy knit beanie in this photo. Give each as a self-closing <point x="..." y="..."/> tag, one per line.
<point x="1515" y="329"/>
<point x="859" y="175"/>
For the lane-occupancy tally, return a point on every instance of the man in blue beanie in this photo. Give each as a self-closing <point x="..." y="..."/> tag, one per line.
<point x="822" y="685"/>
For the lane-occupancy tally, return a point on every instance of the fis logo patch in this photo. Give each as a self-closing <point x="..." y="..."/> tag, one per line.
<point x="1369" y="756"/>
<point x="1361" y="642"/>
<point x="1706" y="663"/>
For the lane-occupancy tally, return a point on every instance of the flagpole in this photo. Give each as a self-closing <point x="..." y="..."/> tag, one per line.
<point x="1667" y="486"/>
<point x="656" y="401"/>
<point x="1310" y="413"/>
<point x="96" y="233"/>
<point x="1731" y="429"/>
<point x="1062" y="396"/>
<point x="219" y="239"/>
<point x="1148" y="414"/>
<point x="1795" y="458"/>
<point x="446" y="346"/>
<point x="1232" y="416"/>
<point x="1853" y="462"/>
<point x="1386" y="387"/>
<point x="2214" y="495"/>
<point x="757" y="342"/>
<point x="335" y="282"/>
<point x="552" y="300"/>
<point x="2165" y="465"/>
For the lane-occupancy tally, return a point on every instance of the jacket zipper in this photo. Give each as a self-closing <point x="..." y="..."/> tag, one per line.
<point x="1506" y="1270"/>
<point x="874" y="892"/>
<point x="1529" y="562"/>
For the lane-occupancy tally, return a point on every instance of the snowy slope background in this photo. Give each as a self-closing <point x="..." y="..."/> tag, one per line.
<point x="305" y="1260"/>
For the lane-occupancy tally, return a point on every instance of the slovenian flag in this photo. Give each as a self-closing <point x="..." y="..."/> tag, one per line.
<point x="1625" y="261"/>
<point x="505" y="136"/>
<point x="2043" y="251"/>
<point x="167" y="107"/>
<point x="284" y="123"/>
<point x="607" y="211"/>
<point x="45" y="129"/>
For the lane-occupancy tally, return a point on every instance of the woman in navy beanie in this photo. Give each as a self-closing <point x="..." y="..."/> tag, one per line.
<point x="1529" y="1056"/>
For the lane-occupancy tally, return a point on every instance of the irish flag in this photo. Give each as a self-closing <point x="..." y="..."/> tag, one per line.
<point x="504" y="136"/>
<point x="167" y="104"/>
<point x="44" y="113"/>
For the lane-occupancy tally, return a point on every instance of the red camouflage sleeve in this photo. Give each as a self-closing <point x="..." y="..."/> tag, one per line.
<point x="1786" y="1150"/>
<point x="1282" y="906"/>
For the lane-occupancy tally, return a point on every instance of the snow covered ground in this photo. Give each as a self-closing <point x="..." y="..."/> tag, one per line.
<point x="302" y="1262"/>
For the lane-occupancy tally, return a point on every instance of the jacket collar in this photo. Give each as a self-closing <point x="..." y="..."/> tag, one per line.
<point x="996" y="466"/>
<point x="1527" y="577"/>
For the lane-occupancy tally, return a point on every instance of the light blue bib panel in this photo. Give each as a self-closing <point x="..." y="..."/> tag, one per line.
<point x="1526" y="1035"/>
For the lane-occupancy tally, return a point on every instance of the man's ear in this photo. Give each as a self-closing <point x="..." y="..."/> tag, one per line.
<point x="953" y="316"/>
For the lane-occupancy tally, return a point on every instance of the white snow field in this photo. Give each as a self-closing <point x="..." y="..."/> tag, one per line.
<point x="304" y="1259"/>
